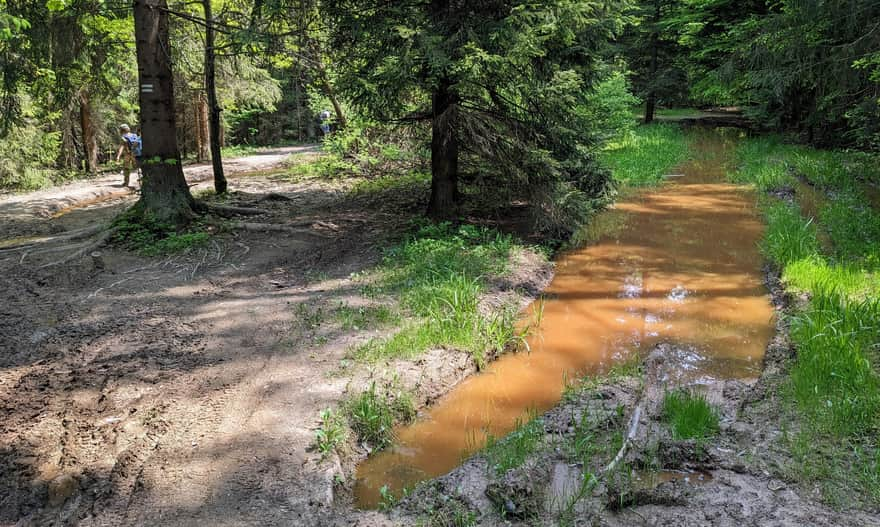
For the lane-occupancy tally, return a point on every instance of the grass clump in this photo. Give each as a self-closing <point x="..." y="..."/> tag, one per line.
<point x="439" y="275"/>
<point x="689" y="415"/>
<point x="789" y="237"/>
<point x="364" y="317"/>
<point x="513" y="450"/>
<point x="833" y="381"/>
<point x="373" y="414"/>
<point x="149" y="237"/>
<point x="332" y="433"/>
<point x="647" y="154"/>
<point x="764" y="162"/>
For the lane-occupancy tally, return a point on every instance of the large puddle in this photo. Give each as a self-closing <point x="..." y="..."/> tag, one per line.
<point x="677" y="264"/>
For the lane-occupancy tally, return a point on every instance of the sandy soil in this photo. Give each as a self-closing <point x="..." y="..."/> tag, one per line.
<point x="186" y="390"/>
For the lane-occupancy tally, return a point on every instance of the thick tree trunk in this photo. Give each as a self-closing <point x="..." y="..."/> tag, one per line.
<point x="164" y="193"/>
<point x="220" y="184"/>
<point x="444" y="153"/>
<point x="203" y="146"/>
<point x="651" y="100"/>
<point x="89" y="134"/>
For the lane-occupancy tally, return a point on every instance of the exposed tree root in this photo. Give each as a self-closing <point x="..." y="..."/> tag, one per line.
<point x="99" y="242"/>
<point x="292" y="228"/>
<point x="77" y="234"/>
<point x="273" y="196"/>
<point x="230" y="212"/>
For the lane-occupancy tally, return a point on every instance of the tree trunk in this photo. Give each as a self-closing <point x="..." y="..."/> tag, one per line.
<point x="444" y="153"/>
<point x="329" y="91"/>
<point x="220" y="184"/>
<point x="164" y="193"/>
<point x="89" y="134"/>
<point x="203" y="147"/>
<point x="651" y="100"/>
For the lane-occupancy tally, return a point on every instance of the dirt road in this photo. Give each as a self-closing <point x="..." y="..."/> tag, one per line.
<point x="25" y="214"/>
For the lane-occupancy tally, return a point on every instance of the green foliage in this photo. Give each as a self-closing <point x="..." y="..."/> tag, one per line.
<point x="645" y="156"/>
<point x="513" y="450"/>
<point x="689" y="415"/>
<point x="332" y="433"/>
<point x="439" y="275"/>
<point x="610" y="108"/>
<point x="833" y="380"/>
<point x="26" y="157"/>
<point x="374" y="413"/>
<point x="789" y="237"/>
<point x="763" y="162"/>
<point x="149" y="237"/>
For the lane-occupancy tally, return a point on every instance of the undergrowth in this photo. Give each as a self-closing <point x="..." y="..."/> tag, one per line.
<point x="647" y="154"/>
<point x="832" y="394"/>
<point x="689" y="415"/>
<point x="438" y="275"/>
<point x="150" y="237"/>
<point x="512" y="450"/>
<point x="374" y="412"/>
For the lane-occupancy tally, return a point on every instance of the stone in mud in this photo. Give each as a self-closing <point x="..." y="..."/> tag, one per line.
<point x="678" y="454"/>
<point x="61" y="488"/>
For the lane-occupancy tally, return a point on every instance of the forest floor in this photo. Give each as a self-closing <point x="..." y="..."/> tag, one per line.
<point x="187" y="389"/>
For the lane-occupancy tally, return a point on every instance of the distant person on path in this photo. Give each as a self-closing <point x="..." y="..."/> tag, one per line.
<point x="129" y="151"/>
<point x="324" y="116"/>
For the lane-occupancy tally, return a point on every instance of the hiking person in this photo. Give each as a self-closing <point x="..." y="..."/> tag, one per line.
<point x="324" y="116"/>
<point x="129" y="151"/>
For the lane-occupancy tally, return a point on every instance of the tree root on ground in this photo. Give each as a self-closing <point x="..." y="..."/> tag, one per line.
<point x="77" y="234"/>
<point x="228" y="211"/>
<point x="99" y="242"/>
<point x="291" y="228"/>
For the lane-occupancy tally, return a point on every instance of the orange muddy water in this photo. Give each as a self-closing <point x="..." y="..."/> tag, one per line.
<point x="677" y="264"/>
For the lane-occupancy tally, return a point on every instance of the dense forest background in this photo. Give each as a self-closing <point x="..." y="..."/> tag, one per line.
<point x="538" y="86"/>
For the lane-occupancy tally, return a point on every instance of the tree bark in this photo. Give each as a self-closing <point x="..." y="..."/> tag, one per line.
<point x="651" y="100"/>
<point x="220" y="184"/>
<point x="444" y="152"/>
<point x="164" y="193"/>
<point x="89" y="134"/>
<point x="203" y="147"/>
<point x="329" y="91"/>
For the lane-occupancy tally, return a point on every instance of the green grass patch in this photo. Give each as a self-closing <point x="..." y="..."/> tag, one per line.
<point x="789" y="237"/>
<point x="438" y="275"/>
<point x="689" y="415"/>
<point x="647" y="154"/>
<point x="365" y="317"/>
<point x="764" y="162"/>
<point x="149" y="237"/>
<point x="833" y="381"/>
<point x="374" y="412"/>
<point x="391" y="183"/>
<point x="513" y="450"/>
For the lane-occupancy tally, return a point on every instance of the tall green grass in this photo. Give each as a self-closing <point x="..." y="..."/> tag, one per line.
<point x="689" y="415"/>
<point x="644" y="156"/>
<point x="833" y="387"/>
<point x="439" y="276"/>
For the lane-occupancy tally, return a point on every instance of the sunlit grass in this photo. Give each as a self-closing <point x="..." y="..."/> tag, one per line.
<point x="689" y="415"/>
<point x="438" y="276"/>
<point x="646" y="155"/>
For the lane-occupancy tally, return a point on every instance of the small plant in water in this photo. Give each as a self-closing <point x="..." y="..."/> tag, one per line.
<point x="689" y="415"/>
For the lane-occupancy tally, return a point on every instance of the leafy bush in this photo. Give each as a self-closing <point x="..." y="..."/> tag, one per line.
<point x="610" y="107"/>
<point x="27" y="156"/>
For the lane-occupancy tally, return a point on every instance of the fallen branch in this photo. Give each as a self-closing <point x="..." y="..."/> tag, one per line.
<point x="627" y="441"/>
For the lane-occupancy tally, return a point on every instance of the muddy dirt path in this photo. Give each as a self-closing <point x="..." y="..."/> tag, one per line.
<point x="25" y="214"/>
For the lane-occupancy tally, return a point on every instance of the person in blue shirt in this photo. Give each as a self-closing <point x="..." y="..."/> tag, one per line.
<point x="129" y="152"/>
